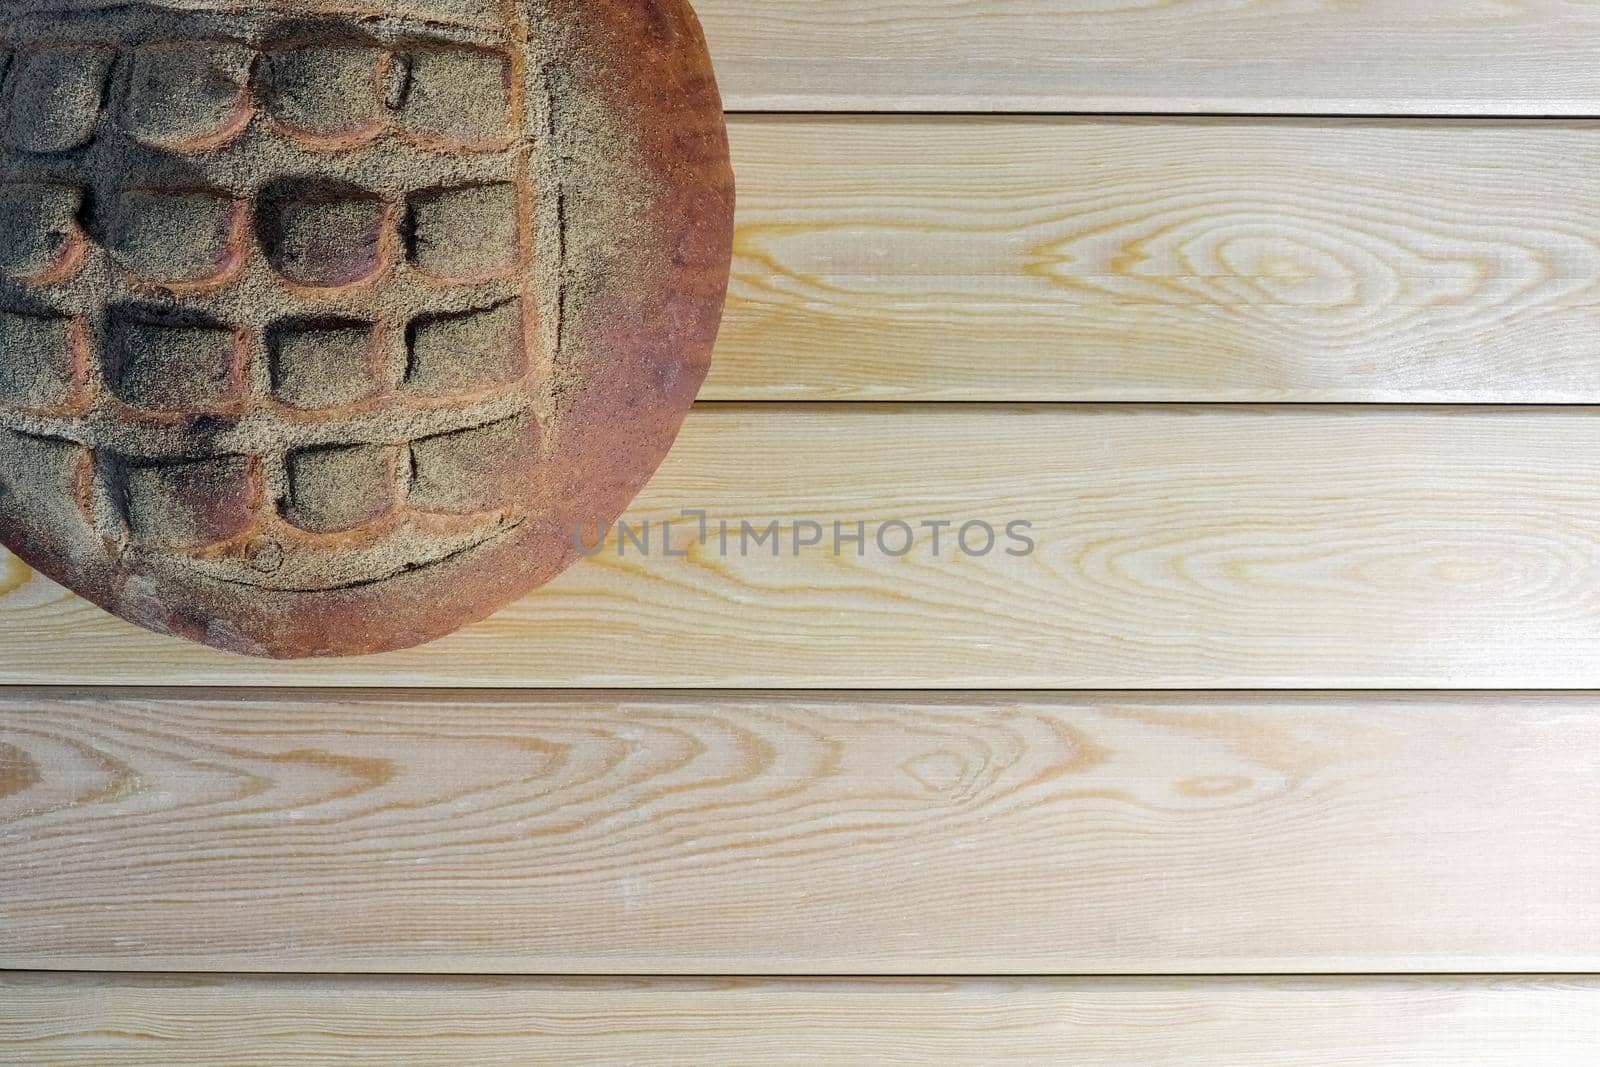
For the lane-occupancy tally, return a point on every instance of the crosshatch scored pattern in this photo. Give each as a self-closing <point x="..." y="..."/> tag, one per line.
<point x="1363" y="835"/>
<point x="205" y="356"/>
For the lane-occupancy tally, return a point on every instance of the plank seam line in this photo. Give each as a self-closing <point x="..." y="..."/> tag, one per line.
<point x="1197" y="116"/>
<point x="1352" y="977"/>
<point x="221" y="690"/>
<point x="1264" y="407"/>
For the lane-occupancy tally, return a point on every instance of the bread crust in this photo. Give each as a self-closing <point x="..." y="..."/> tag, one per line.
<point x="629" y="228"/>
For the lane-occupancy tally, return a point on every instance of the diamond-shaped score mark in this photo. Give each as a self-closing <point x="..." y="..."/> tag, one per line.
<point x="336" y="91"/>
<point x="322" y="234"/>
<point x="474" y="470"/>
<point x="467" y="352"/>
<point x="455" y="97"/>
<point x="326" y="90"/>
<point x="55" y="95"/>
<point x="188" y="94"/>
<point x="39" y="359"/>
<point x="40" y="237"/>
<point x="162" y="363"/>
<point x="466" y="232"/>
<point x="177" y="237"/>
<point x="324" y="363"/>
<point x="43" y="475"/>
<point x="188" y="504"/>
<point x="340" y="488"/>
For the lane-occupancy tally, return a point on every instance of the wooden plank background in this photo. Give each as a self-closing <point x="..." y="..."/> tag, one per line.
<point x="139" y="1021"/>
<point x="1370" y="57"/>
<point x="1063" y="259"/>
<point x="1001" y="833"/>
<point x="1176" y="547"/>
<point x="1143" y="322"/>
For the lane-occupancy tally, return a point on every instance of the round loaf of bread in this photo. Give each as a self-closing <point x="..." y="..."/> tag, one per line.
<point x="326" y="324"/>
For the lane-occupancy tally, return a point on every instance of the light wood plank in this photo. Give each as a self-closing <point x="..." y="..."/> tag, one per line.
<point x="1168" y="260"/>
<point x="1175" y="548"/>
<point x="786" y="834"/>
<point x="128" y="1021"/>
<point x="1447" y="57"/>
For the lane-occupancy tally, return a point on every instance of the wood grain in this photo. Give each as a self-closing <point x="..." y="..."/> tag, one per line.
<point x="699" y="833"/>
<point x="1175" y="548"/>
<point x="1429" y="57"/>
<point x="129" y="1021"/>
<point x="883" y="258"/>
